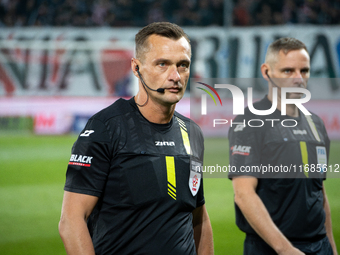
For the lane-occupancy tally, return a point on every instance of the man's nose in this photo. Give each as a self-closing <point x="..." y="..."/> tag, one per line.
<point x="174" y="74"/>
<point x="299" y="78"/>
<point x="297" y="75"/>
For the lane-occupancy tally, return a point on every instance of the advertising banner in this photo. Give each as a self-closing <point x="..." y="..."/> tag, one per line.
<point x="96" y="62"/>
<point x="54" y="75"/>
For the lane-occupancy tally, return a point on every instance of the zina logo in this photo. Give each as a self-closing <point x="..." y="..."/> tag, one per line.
<point x="164" y="143"/>
<point x="238" y="99"/>
<point x="204" y="97"/>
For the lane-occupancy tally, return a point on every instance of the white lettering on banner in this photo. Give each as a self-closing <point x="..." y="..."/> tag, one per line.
<point x="247" y="46"/>
<point x="100" y="46"/>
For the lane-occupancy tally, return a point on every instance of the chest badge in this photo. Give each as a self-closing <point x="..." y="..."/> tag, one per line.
<point x="195" y="177"/>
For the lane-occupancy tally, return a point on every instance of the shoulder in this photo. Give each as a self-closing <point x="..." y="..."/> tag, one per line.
<point x="191" y="133"/>
<point x="318" y="122"/>
<point x="261" y="105"/>
<point x="182" y="117"/>
<point x="316" y="118"/>
<point x="244" y="124"/>
<point x="189" y="123"/>
<point x="118" y="108"/>
<point x="109" y="122"/>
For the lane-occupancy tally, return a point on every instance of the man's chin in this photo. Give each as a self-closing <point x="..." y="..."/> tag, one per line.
<point x="294" y="95"/>
<point x="174" y="96"/>
<point x="173" y="101"/>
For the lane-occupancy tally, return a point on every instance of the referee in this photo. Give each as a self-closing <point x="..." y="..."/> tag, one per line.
<point x="282" y="213"/>
<point x="131" y="183"/>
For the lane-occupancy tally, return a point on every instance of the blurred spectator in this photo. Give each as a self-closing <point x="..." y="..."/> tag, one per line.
<point x="156" y="13"/>
<point x="186" y="14"/>
<point x="241" y="14"/>
<point x="205" y="14"/>
<point x="271" y="12"/>
<point x="43" y="17"/>
<point x="100" y="10"/>
<point x="217" y="8"/>
<point x="290" y="12"/>
<point x="264" y="15"/>
<point x="124" y="13"/>
<point x="118" y="13"/>
<point x="9" y="18"/>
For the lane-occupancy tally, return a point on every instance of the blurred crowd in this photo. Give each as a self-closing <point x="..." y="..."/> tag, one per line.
<point x="122" y="13"/>
<point x="114" y="13"/>
<point x="273" y="12"/>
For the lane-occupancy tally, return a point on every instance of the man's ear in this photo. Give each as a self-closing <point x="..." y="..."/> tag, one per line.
<point x="134" y="66"/>
<point x="265" y="71"/>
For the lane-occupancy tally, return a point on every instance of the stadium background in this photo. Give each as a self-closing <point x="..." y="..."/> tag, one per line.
<point x="61" y="61"/>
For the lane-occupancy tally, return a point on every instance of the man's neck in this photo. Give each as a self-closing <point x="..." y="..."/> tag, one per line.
<point x="291" y="109"/>
<point x="155" y="112"/>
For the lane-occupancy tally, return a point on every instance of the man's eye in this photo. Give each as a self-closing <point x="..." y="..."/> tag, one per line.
<point x="184" y="65"/>
<point x="162" y="64"/>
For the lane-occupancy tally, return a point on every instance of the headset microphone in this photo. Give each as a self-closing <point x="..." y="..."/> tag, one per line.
<point x="159" y="90"/>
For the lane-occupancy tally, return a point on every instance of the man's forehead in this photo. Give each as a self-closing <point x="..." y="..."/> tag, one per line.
<point x="292" y="56"/>
<point x="165" y="42"/>
<point x="160" y="44"/>
<point x="291" y="52"/>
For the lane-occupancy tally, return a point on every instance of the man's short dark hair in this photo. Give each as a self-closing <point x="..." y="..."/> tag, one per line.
<point x="165" y="29"/>
<point x="286" y="45"/>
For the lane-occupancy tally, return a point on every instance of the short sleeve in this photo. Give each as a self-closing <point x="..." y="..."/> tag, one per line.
<point x="326" y="140"/>
<point x="245" y="146"/>
<point x="89" y="163"/>
<point x="200" y="196"/>
<point x="197" y="149"/>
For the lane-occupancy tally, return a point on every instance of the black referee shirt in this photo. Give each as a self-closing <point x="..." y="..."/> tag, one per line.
<point x="141" y="173"/>
<point x="294" y="198"/>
